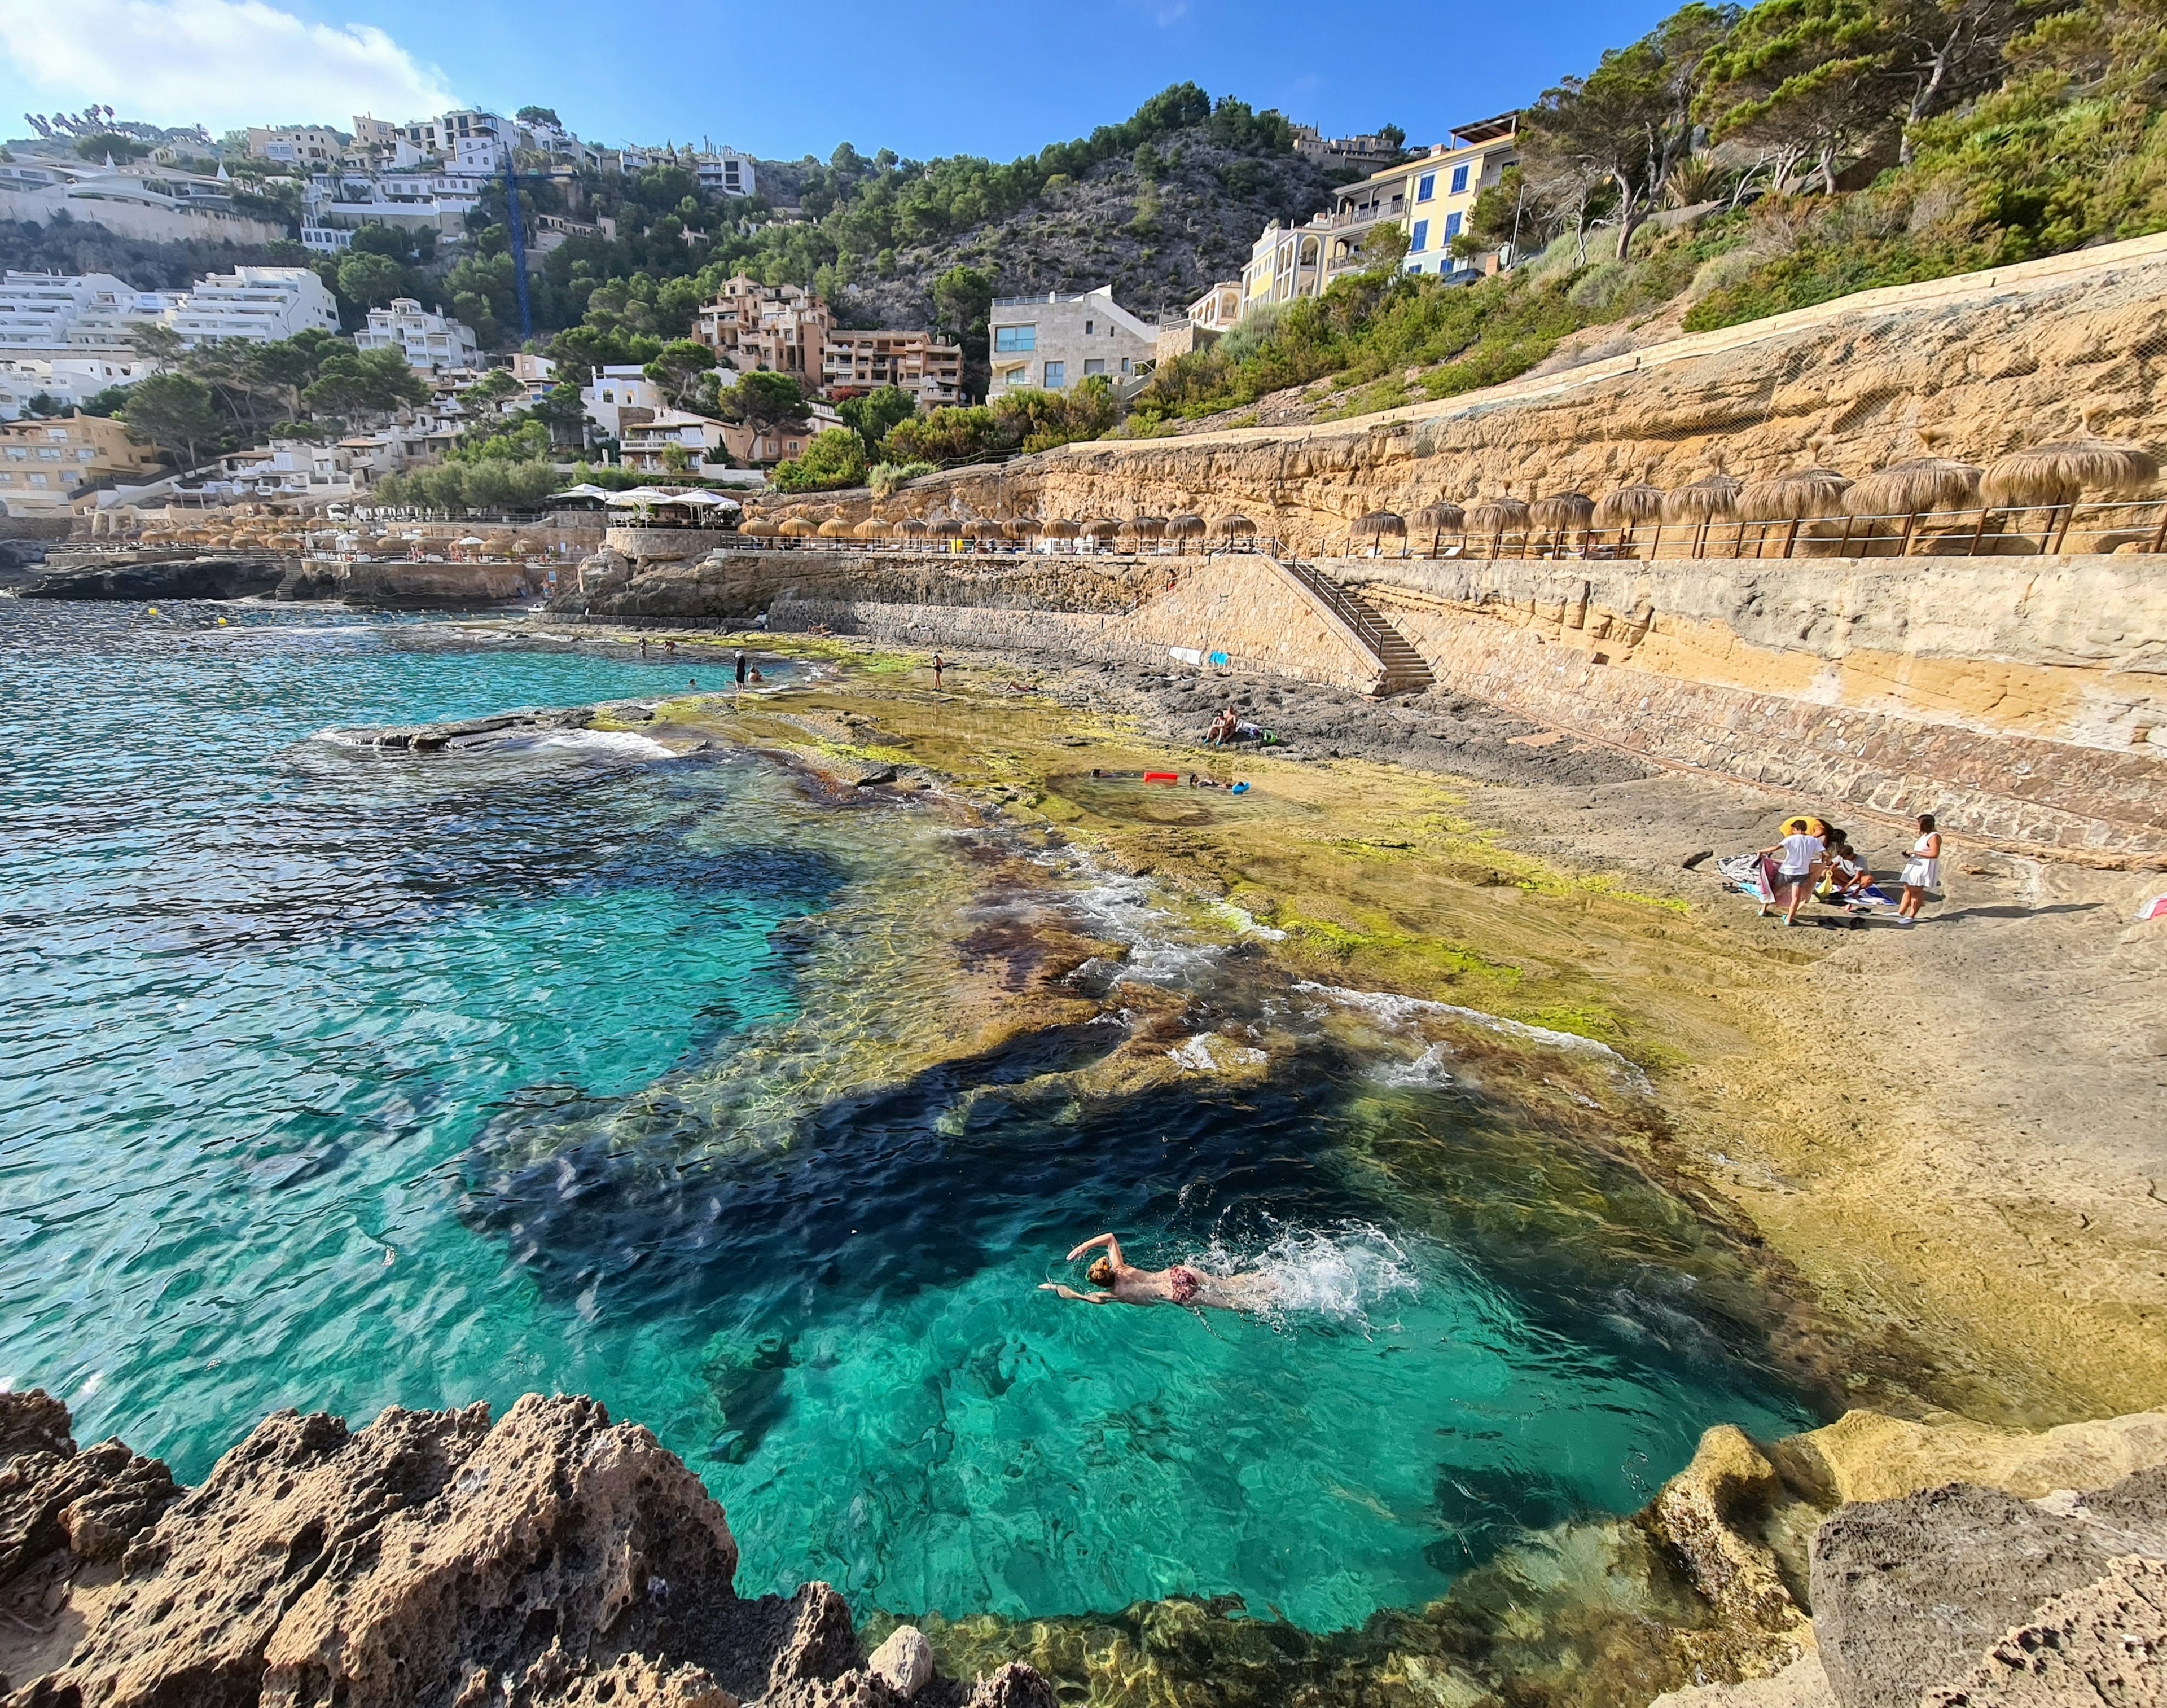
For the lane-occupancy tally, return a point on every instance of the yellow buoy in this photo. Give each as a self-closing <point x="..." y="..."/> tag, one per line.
<point x="154" y="610"/>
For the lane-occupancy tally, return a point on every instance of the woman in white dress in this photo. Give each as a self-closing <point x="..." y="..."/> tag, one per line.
<point x="1923" y="872"/>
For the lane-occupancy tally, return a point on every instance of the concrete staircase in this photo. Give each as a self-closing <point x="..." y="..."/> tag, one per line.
<point x="1400" y="668"/>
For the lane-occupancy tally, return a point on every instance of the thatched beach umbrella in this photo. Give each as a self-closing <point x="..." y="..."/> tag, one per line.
<point x="2055" y="475"/>
<point x="1712" y="496"/>
<point x="1061" y="528"/>
<point x="1023" y="529"/>
<point x="947" y="528"/>
<point x="985" y="529"/>
<point x="1147" y="530"/>
<point x="1911" y="489"/>
<point x="1440" y="519"/>
<point x="1563" y="513"/>
<point x="757" y="528"/>
<point x="913" y="528"/>
<point x="1498" y="517"/>
<point x="1626" y="508"/>
<point x="1188" y="525"/>
<point x="872" y="528"/>
<point x="835" y="528"/>
<point x="797" y="528"/>
<point x="1235" y="526"/>
<point x="1378" y="525"/>
<point x="1800" y="495"/>
<point x="1915" y="489"/>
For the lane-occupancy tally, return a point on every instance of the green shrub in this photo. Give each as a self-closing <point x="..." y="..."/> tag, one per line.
<point x="834" y="459"/>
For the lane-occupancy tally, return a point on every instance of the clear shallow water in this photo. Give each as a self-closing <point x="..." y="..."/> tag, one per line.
<point x="335" y="1079"/>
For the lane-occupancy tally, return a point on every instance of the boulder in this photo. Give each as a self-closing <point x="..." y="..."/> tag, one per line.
<point x="2105" y="1643"/>
<point x="904" y="1659"/>
<point x="1908" y="1594"/>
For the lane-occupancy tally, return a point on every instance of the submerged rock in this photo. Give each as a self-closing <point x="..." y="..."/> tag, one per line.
<point x="555" y="1558"/>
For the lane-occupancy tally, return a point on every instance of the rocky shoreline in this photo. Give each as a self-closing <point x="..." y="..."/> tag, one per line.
<point x="554" y="1559"/>
<point x="432" y="1558"/>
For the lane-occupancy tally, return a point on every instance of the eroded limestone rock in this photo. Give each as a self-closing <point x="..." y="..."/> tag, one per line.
<point x="61" y="1510"/>
<point x="2104" y="1644"/>
<point x="1706" y="1511"/>
<point x="1907" y="1593"/>
<point x="552" y="1560"/>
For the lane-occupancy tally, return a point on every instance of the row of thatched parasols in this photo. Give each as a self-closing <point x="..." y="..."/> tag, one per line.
<point x="2053" y="476"/>
<point x="1018" y="529"/>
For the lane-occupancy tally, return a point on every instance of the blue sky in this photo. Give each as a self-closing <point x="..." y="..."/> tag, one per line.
<point x="781" y="81"/>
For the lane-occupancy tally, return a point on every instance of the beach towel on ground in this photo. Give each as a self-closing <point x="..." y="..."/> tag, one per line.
<point x="1749" y="874"/>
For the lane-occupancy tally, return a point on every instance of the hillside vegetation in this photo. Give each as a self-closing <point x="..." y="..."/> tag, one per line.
<point x="1735" y="164"/>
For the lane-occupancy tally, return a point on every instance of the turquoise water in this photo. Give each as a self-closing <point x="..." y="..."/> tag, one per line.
<point x="339" y="1080"/>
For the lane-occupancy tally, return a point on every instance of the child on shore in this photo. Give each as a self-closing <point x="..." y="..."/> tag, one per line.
<point x="1797" y="856"/>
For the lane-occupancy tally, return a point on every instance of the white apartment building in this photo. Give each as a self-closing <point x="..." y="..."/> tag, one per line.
<point x="1057" y="342"/>
<point x="50" y="313"/>
<point x="261" y="303"/>
<point x="38" y="310"/>
<point x="429" y="342"/>
<point x="725" y="173"/>
<point x="614" y="391"/>
<point x="68" y="381"/>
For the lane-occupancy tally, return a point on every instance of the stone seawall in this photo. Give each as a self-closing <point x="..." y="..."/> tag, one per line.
<point x="1244" y="608"/>
<point x="2020" y="699"/>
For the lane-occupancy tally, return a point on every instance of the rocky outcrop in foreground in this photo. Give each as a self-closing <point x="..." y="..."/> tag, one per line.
<point x="1956" y="1596"/>
<point x="550" y="1560"/>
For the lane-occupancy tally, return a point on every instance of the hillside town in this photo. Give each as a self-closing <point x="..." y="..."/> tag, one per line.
<point x="75" y="348"/>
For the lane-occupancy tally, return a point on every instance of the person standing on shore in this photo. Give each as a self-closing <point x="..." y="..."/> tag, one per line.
<point x="1797" y="856"/>
<point x="1922" y="872"/>
<point x="939" y="665"/>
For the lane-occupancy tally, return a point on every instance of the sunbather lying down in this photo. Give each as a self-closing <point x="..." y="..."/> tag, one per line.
<point x="1176" y="1284"/>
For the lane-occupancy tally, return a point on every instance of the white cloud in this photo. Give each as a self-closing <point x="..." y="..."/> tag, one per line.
<point x="221" y="63"/>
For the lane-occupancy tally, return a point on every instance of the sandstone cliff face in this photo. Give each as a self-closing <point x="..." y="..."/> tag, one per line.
<point x="431" y="1558"/>
<point x="1991" y="361"/>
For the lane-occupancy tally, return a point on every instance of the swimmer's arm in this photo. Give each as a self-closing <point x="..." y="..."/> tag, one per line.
<point x="1113" y="1249"/>
<point x="1071" y="1293"/>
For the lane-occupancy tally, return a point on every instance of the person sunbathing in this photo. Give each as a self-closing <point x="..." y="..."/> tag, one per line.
<point x="1176" y="1284"/>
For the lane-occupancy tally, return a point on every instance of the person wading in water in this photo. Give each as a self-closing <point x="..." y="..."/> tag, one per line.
<point x="1177" y="1284"/>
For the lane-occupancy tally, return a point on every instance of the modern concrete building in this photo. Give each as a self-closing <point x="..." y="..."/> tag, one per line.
<point x="1056" y="342"/>
<point x="852" y="363"/>
<point x="38" y="310"/>
<point x="725" y="172"/>
<point x="45" y="465"/>
<point x="262" y="303"/>
<point x="429" y="341"/>
<point x="66" y="381"/>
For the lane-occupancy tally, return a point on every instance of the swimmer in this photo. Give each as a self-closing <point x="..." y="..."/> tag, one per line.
<point x="1177" y="1284"/>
